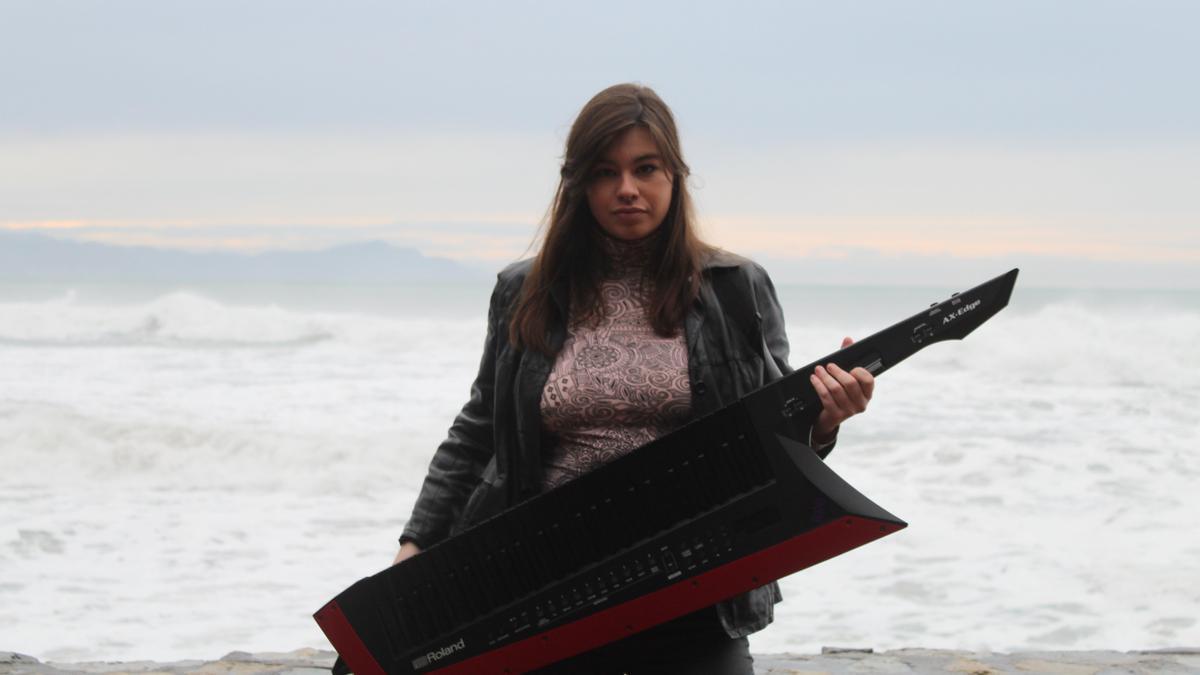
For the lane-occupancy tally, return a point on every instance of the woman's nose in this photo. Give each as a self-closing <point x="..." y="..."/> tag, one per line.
<point x="627" y="189"/>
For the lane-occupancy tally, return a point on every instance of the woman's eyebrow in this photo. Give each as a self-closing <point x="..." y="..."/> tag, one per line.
<point x="639" y="158"/>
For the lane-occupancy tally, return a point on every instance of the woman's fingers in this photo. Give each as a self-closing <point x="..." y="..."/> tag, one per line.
<point x="855" y="397"/>
<point x="837" y="393"/>
<point x="839" y="389"/>
<point x="858" y="383"/>
<point x="865" y="380"/>
<point x="843" y="393"/>
<point x="407" y="550"/>
<point x="827" y="401"/>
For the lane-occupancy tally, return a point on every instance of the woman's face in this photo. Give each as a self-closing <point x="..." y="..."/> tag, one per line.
<point x="629" y="189"/>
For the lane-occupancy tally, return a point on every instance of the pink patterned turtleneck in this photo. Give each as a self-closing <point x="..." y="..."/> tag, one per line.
<point x="616" y="385"/>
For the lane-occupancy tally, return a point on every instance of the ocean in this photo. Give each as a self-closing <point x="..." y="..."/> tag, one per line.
<point x="189" y="471"/>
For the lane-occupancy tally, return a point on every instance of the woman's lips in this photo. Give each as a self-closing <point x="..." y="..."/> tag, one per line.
<point x="629" y="211"/>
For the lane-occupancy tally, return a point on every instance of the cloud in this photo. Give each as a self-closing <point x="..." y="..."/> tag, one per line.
<point x="295" y="178"/>
<point x="48" y="225"/>
<point x="770" y="70"/>
<point x="479" y="197"/>
<point x="966" y="235"/>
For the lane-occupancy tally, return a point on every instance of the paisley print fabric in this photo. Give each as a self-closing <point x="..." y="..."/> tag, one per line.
<point x="616" y="385"/>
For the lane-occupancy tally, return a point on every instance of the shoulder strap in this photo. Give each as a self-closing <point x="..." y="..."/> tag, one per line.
<point x="741" y="307"/>
<point x="739" y="304"/>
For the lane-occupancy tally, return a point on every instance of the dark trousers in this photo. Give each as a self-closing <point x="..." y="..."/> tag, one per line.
<point x="694" y="644"/>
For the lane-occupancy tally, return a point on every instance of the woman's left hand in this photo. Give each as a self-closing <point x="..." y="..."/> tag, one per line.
<point x="843" y="395"/>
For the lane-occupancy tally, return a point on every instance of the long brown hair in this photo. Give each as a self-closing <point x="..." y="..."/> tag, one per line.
<point x="572" y="255"/>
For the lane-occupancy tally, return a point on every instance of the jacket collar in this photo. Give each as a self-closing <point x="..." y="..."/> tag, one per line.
<point x="719" y="257"/>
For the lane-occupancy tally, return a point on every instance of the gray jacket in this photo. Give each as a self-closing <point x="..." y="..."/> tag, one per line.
<point x="491" y="458"/>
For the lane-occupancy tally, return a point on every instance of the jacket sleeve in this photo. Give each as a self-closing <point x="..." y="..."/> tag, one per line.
<point x="775" y="336"/>
<point x="459" y="462"/>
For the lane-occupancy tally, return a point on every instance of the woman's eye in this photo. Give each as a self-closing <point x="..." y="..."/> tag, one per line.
<point x="647" y="169"/>
<point x="603" y="173"/>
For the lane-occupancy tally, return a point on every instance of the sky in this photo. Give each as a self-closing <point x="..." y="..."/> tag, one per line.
<point x="869" y="142"/>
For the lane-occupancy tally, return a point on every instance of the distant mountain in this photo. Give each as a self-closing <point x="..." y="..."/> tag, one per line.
<point x="36" y="257"/>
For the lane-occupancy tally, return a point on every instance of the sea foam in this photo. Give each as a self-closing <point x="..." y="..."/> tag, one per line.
<point x="185" y="475"/>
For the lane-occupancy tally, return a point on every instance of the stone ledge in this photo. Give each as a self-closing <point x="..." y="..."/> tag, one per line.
<point x="832" y="660"/>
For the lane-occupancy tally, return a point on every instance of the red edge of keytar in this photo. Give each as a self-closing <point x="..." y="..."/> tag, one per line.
<point x="347" y="643"/>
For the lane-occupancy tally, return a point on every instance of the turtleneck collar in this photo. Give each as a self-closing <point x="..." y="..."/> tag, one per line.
<point x="629" y="256"/>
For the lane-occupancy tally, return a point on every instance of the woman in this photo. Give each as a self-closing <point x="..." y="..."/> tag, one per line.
<point x="612" y="336"/>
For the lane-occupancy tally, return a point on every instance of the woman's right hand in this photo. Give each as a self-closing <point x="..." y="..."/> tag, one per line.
<point x="407" y="550"/>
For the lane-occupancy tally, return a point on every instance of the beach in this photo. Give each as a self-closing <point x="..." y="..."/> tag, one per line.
<point x="832" y="661"/>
